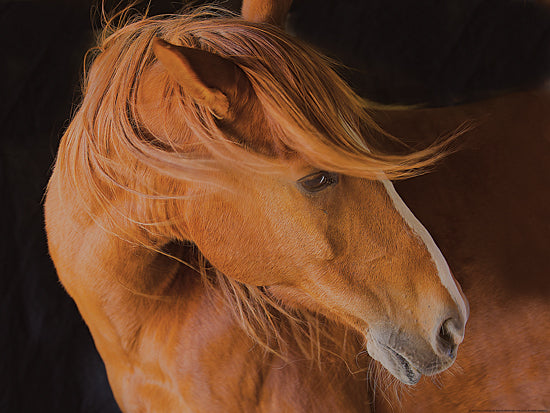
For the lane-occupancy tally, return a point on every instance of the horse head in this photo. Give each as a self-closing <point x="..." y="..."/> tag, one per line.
<point x="291" y="195"/>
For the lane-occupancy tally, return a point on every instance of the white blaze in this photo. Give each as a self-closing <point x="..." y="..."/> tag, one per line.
<point x="441" y="264"/>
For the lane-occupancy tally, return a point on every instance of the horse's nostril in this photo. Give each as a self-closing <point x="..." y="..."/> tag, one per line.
<point x="446" y="341"/>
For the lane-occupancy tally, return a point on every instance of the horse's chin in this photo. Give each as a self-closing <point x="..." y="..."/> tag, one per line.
<point x="401" y="368"/>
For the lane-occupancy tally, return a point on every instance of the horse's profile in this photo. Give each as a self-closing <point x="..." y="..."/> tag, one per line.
<point x="221" y="212"/>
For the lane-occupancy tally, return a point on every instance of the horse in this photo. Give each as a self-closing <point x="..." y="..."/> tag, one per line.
<point x="221" y="212"/>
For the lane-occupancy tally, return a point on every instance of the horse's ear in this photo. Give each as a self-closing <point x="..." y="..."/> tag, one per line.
<point x="208" y="78"/>
<point x="266" y="11"/>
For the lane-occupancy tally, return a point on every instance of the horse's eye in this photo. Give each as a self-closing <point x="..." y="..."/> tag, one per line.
<point x="318" y="181"/>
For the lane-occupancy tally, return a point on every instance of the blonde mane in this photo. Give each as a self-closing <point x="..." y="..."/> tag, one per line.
<point x="310" y="111"/>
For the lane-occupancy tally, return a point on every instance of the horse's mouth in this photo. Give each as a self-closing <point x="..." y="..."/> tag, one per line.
<point x="397" y="364"/>
<point x="402" y="369"/>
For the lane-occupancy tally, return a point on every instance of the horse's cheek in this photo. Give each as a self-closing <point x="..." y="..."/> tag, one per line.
<point x="233" y="241"/>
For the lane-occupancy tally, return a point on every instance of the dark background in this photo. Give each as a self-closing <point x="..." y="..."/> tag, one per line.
<point x="432" y="52"/>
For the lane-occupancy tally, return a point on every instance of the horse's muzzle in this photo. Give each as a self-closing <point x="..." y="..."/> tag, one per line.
<point x="408" y="356"/>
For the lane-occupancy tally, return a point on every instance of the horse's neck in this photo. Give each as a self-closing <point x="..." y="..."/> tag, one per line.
<point x="194" y="339"/>
<point x="164" y="336"/>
